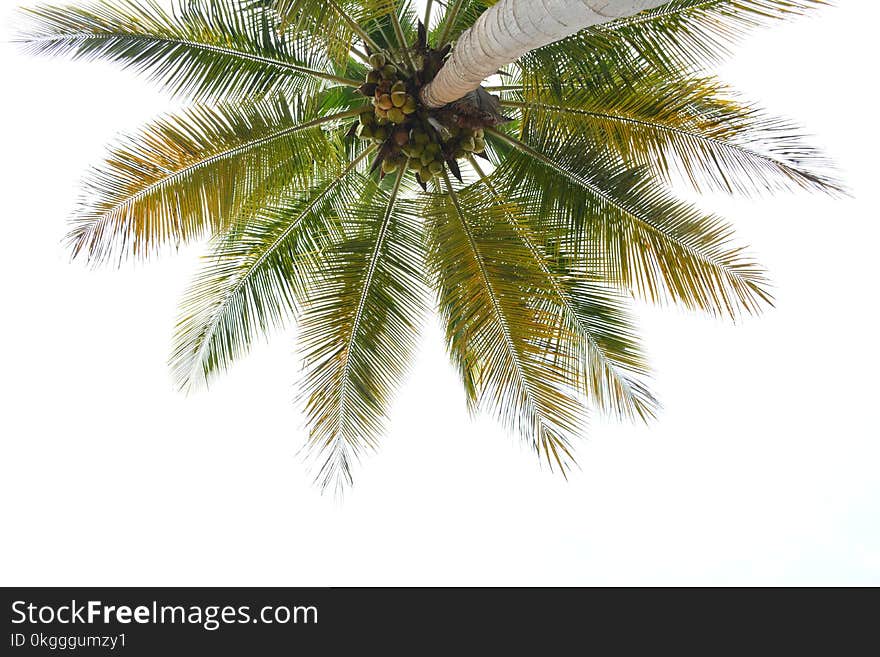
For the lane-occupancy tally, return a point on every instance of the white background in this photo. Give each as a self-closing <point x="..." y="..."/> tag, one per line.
<point x="762" y="468"/>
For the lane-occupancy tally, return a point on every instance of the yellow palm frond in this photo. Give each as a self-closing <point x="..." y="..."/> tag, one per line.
<point x="186" y="176"/>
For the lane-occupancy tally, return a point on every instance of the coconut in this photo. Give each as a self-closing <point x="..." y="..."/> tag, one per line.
<point x="401" y="137"/>
<point x="398" y="98"/>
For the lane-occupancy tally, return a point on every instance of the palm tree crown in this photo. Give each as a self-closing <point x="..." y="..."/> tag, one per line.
<point x="526" y="212"/>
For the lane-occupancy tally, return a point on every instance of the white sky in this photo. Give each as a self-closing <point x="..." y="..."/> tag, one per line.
<point x="762" y="468"/>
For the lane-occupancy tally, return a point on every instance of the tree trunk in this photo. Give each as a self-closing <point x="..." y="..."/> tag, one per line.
<point x="508" y="30"/>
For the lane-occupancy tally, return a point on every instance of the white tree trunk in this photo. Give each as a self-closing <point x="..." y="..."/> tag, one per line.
<point x="508" y="30"/>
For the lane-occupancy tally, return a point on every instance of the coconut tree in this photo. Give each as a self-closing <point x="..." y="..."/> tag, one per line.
<point x="354" y="163"/>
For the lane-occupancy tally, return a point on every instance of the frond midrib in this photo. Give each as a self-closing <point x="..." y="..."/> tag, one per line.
<point x="195" y="45"/>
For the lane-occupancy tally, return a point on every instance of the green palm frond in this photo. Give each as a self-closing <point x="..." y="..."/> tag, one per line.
<point x="339" y="24"/>
<point x="492" y="295"/>
<point x="698" y="32"/>
<point x="646" y="240"/>
<point x="203" y="49"/>
<point x="693" y="127"/>
<point x="359" y="328"/>
<point x="613" y="369"/>
<point x="185" y="176"/>
<point x="680" y="35"/>
<point x="396" y="30"/>
<point x="257" y="275"/>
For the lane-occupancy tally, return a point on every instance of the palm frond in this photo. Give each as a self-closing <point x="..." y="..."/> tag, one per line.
<point x="202" y="49"/>
<point x="678" y="36"/>
<point x="693" y="127"/>
<point x="186" y="175"/>
<point x="698" y="32"/>
<point x="359" y="328"/>
<point x="613" y="368"/>
<point x="339" y="24"/>
<point x="256" y="277"/>
<point x="490" y="296"/>
<point x="646" y="240"/>
<point x="458" y="17"/>
<point x="386" y="34"/>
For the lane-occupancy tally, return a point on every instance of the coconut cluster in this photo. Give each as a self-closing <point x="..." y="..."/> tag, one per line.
<point x="409" y="134"/>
